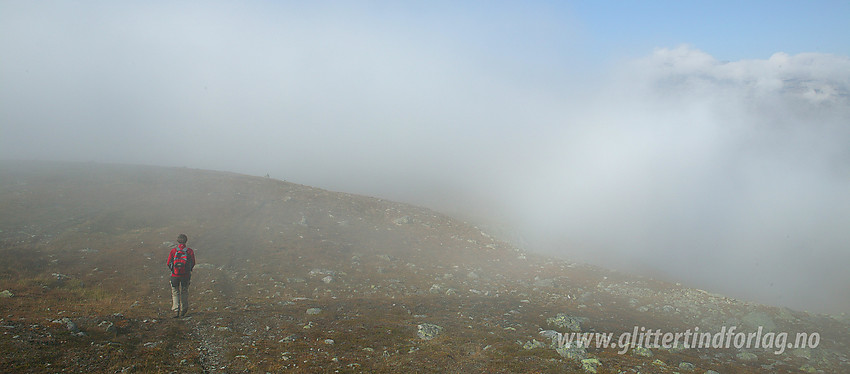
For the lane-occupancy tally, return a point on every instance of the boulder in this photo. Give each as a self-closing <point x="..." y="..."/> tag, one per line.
<point x="590" y="364"/>
<point x="428" y="331"/>
<point x="567" y="322"/>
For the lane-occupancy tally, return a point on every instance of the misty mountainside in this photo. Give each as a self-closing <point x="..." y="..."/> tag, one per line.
<point x="295" y="278"/>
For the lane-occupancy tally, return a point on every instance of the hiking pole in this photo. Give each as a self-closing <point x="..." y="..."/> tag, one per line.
<point x="179" y="299"/>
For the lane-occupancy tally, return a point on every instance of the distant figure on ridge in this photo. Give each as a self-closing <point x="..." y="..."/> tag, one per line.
<point x="181" y="260"/>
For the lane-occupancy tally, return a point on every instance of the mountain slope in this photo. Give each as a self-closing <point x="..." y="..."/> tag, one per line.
<point x="298" y="278"/>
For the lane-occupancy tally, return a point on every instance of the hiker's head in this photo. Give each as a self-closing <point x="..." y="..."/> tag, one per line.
<point x="182" y="238"/>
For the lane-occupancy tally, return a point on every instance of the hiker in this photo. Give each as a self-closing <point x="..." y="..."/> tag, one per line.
<point x="181" y="260"/>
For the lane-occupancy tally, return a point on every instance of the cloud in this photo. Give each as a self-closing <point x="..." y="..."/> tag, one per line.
<point x="726" y="174"/>
<point x="712" y="172"/>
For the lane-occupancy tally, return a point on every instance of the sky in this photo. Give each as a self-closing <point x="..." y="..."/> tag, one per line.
<point x="704" y="142"/>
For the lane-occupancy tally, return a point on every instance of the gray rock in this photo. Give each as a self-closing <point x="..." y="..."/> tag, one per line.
<point x="435" y="289"/>
<point x="572" y="352"/>
<point x="549" y="334"/>
<point x="686" y="366"/>
<point x="328" y="279"/>
<point x="808" y="368"/>
<point x="564" y="321"/>
<point x="72" y="327"/>
<point x="428" y="331"/>
<point x="288" y="339"/>
<point x="314" y="311"/>
<point x="316" y="272"/>
<point x="711" y="372"/>
<point x="6" y="294"/>
<point x="108" y="326"/>
<point x="590" y="364"/>
<point x="642" y="351"/>
<point x="747" y="356"/>
<point x="406" y="220"/>
<point x="533" y="344"/>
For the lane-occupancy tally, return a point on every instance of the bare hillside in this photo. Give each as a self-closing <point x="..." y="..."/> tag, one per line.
<point x="296" y="278"/>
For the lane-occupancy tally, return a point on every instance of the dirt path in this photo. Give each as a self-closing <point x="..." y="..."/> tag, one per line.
<point x="211" y="346"/>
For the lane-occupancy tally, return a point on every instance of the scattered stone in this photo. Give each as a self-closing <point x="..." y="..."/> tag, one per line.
<point x="6" y="294"/>
<point x="314" y="311"/>
<point x="89" y="250"/>
<point x="641" y="351"/>
<point x="204" y="266"/>
<point x="435" y="289"/>
<point x="406" y="220"/>
<point x="564" y="321"/>
<point x="472" y="275"/>
<point x="533" y="344"/>
<point x="687" y="366"/>
<point x="72" y="327"/>
<point x="590" y="364"/>
<point x="60" y="276"/>
<point x="807" y="368"/>
<point x="747" y="356"/>
<point x="571" y="352"/>
<point x="328" y="279"/>
<point x="549" y="334"/>
<point x="711" y="372"/>
<point x="317" y="272"/>
<point x="676" y="348"/>
<point x="329" y="341"/>
<point x="428" y="331"/>
<point x="451" y="291"/>
<point x="288" y="339"/>
<point x="108" y="326"/>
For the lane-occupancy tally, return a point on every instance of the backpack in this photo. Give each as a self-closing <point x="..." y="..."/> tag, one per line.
<point x="180" y="262"/>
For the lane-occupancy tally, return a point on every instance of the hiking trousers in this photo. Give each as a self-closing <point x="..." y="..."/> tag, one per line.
<point x="180" y="293"/>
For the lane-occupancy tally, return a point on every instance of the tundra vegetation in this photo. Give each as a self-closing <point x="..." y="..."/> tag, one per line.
<point x="300" y="279"/>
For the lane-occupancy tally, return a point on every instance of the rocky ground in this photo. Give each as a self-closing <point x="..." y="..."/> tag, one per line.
<point x="305" y="280"/>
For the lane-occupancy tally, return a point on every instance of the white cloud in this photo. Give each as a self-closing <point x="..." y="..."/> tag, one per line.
<point x="714" y="172"/>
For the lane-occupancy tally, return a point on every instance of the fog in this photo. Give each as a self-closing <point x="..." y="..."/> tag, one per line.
<point x="732" y="176"/>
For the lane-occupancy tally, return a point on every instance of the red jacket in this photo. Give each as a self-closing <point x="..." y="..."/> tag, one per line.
<point x="177" y="271"/>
